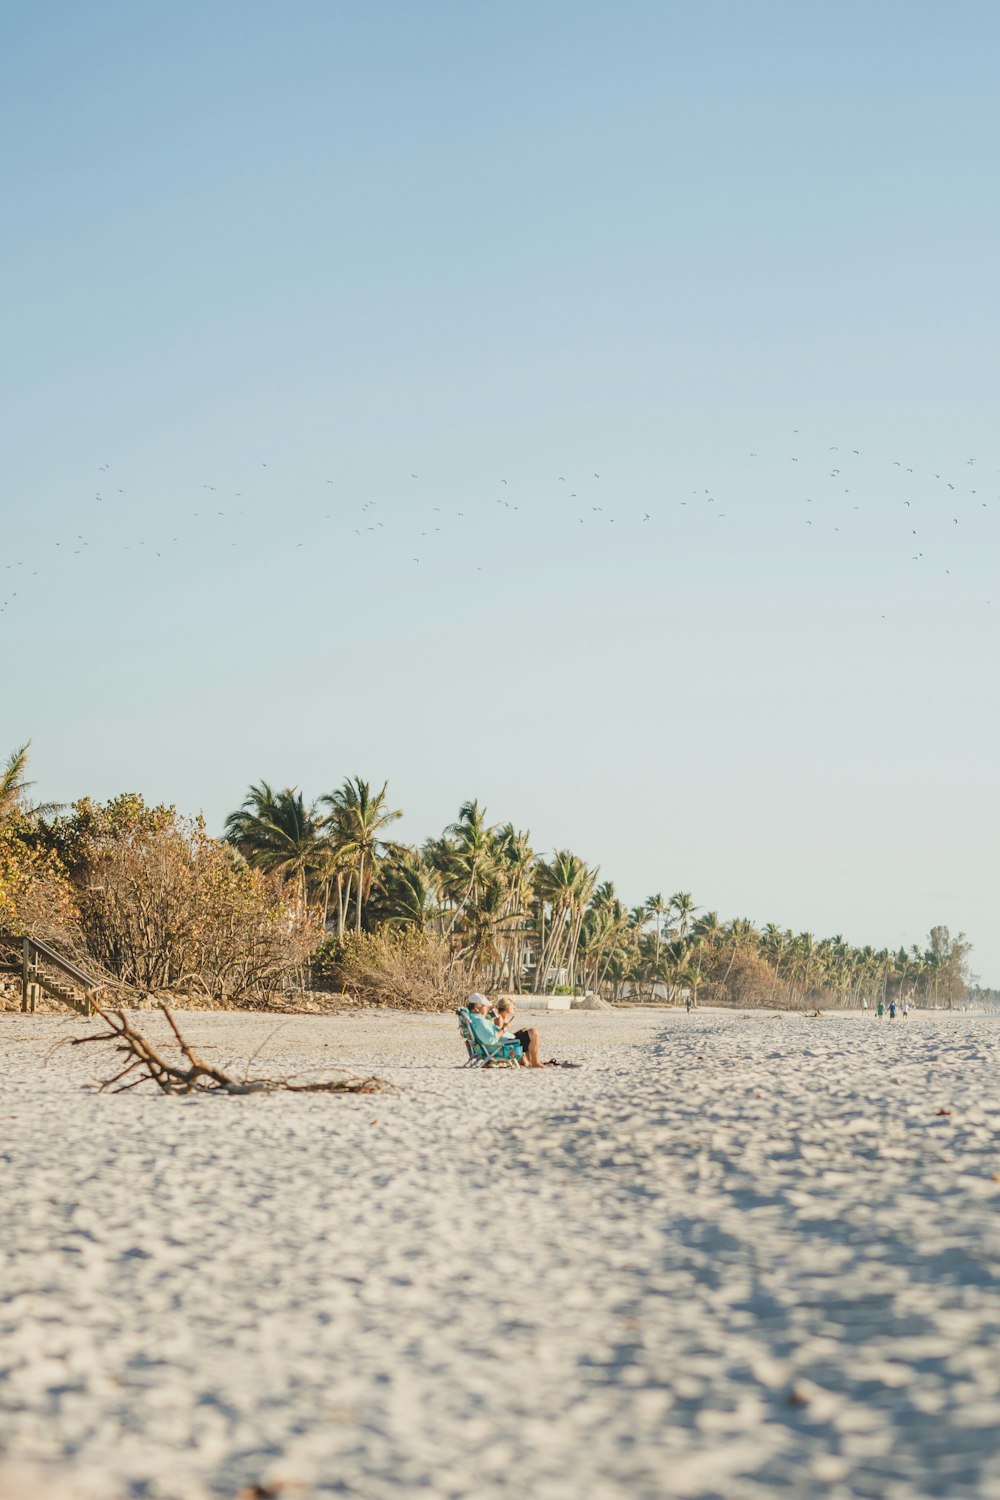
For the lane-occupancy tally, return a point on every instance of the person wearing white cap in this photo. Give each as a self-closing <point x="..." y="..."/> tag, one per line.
<point x="484" y="1027"/>
<point x="493" y="1031"/>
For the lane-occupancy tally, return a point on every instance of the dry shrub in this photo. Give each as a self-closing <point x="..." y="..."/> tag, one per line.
<point x="410" y="970"/>
<point x="165" y="907"/>
<point x="36" y="898"/>
<point x="750" y="982"/>
<point x="35" y="895"/>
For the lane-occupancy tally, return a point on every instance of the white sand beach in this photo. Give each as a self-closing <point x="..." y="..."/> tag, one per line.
<point x="733" y="1256"/>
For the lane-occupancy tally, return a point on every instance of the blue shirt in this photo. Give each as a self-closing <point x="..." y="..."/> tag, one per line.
<point x="483" y="1029"/>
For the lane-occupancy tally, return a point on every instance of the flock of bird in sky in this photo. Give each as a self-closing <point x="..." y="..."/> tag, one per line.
<point x="840" y="490"/>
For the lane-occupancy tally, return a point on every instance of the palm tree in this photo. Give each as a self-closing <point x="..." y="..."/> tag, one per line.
<point x="487" y="927"/>
<point x="775" y="943"/>
<point x="604" y="896"/>
<point x="334" y="876"/>
<point x="278" y="833"/>
<point x="806" y="961"/>
<point x="742" y="934"/>
<point x="564" y="887"/>
<point x="706" y="934"/>
<point x="709" y="929"/>
<point x="683" y="907"/>
<point x="14" y="788"/>
<point x="657" y="908"/>
<point x="13" y="785"/>
<point x="680" y="966"/>
<point x="407" y="893"/>
<point x="607" y="946"/>
<point x="514" y="859"/>
<point x="471" y="847"/>
<point x="356" y="821"/>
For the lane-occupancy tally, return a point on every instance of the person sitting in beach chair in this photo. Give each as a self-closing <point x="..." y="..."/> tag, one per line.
<point x="528" y="1038"/>
<point x="485" y="1043"/>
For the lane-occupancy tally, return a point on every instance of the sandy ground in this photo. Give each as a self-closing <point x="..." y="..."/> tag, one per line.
<point x="731" y="1256"/>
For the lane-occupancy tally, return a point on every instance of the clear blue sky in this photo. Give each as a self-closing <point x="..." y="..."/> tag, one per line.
<point x="300" y="252"/>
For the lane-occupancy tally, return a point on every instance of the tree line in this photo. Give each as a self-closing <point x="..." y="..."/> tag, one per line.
<point x="522" y="919"/>
<point x="306" y="894"/>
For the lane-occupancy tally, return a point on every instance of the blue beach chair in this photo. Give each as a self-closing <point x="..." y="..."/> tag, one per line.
<point x="504" y="1054"/>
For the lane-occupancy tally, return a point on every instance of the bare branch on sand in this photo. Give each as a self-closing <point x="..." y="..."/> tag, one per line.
<point x="194" y="1075"/>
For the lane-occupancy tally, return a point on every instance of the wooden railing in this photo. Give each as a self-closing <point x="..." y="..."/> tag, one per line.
<point x="35" y="954"/>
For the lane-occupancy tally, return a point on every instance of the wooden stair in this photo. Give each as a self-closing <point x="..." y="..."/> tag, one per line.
<point x="46" y="971"/>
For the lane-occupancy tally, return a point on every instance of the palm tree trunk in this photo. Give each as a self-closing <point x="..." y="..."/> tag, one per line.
<point x="732" y="960"/>
<point x="343" y="897"/>
<point x="361" y="886"/>
<point x="548" y="952"/>
<point x="575" y="948"/>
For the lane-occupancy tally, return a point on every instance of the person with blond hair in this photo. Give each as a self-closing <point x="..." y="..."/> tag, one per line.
<point x="528" y="1037"/>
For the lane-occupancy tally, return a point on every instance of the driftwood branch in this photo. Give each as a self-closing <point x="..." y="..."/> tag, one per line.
<point x="193" y="1075"/>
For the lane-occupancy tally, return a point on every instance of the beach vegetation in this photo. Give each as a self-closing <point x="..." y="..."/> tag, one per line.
<point x="318" y="894"/>
<point x="278" y="833"/>
<point x="164" y="907"/>
<point x="36" y="896"/>
<point x="478" y="899"/>
<point x="406" y="969"/>
<point x="357" y="822"/>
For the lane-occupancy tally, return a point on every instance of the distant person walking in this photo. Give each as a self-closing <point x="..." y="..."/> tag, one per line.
<point x="880" y="1010"/>
<point x="864" y="1002"/>
<point x="906" y="1009"/>
<point x="687" y="1003"/>
<point x="892" y="1010"/>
